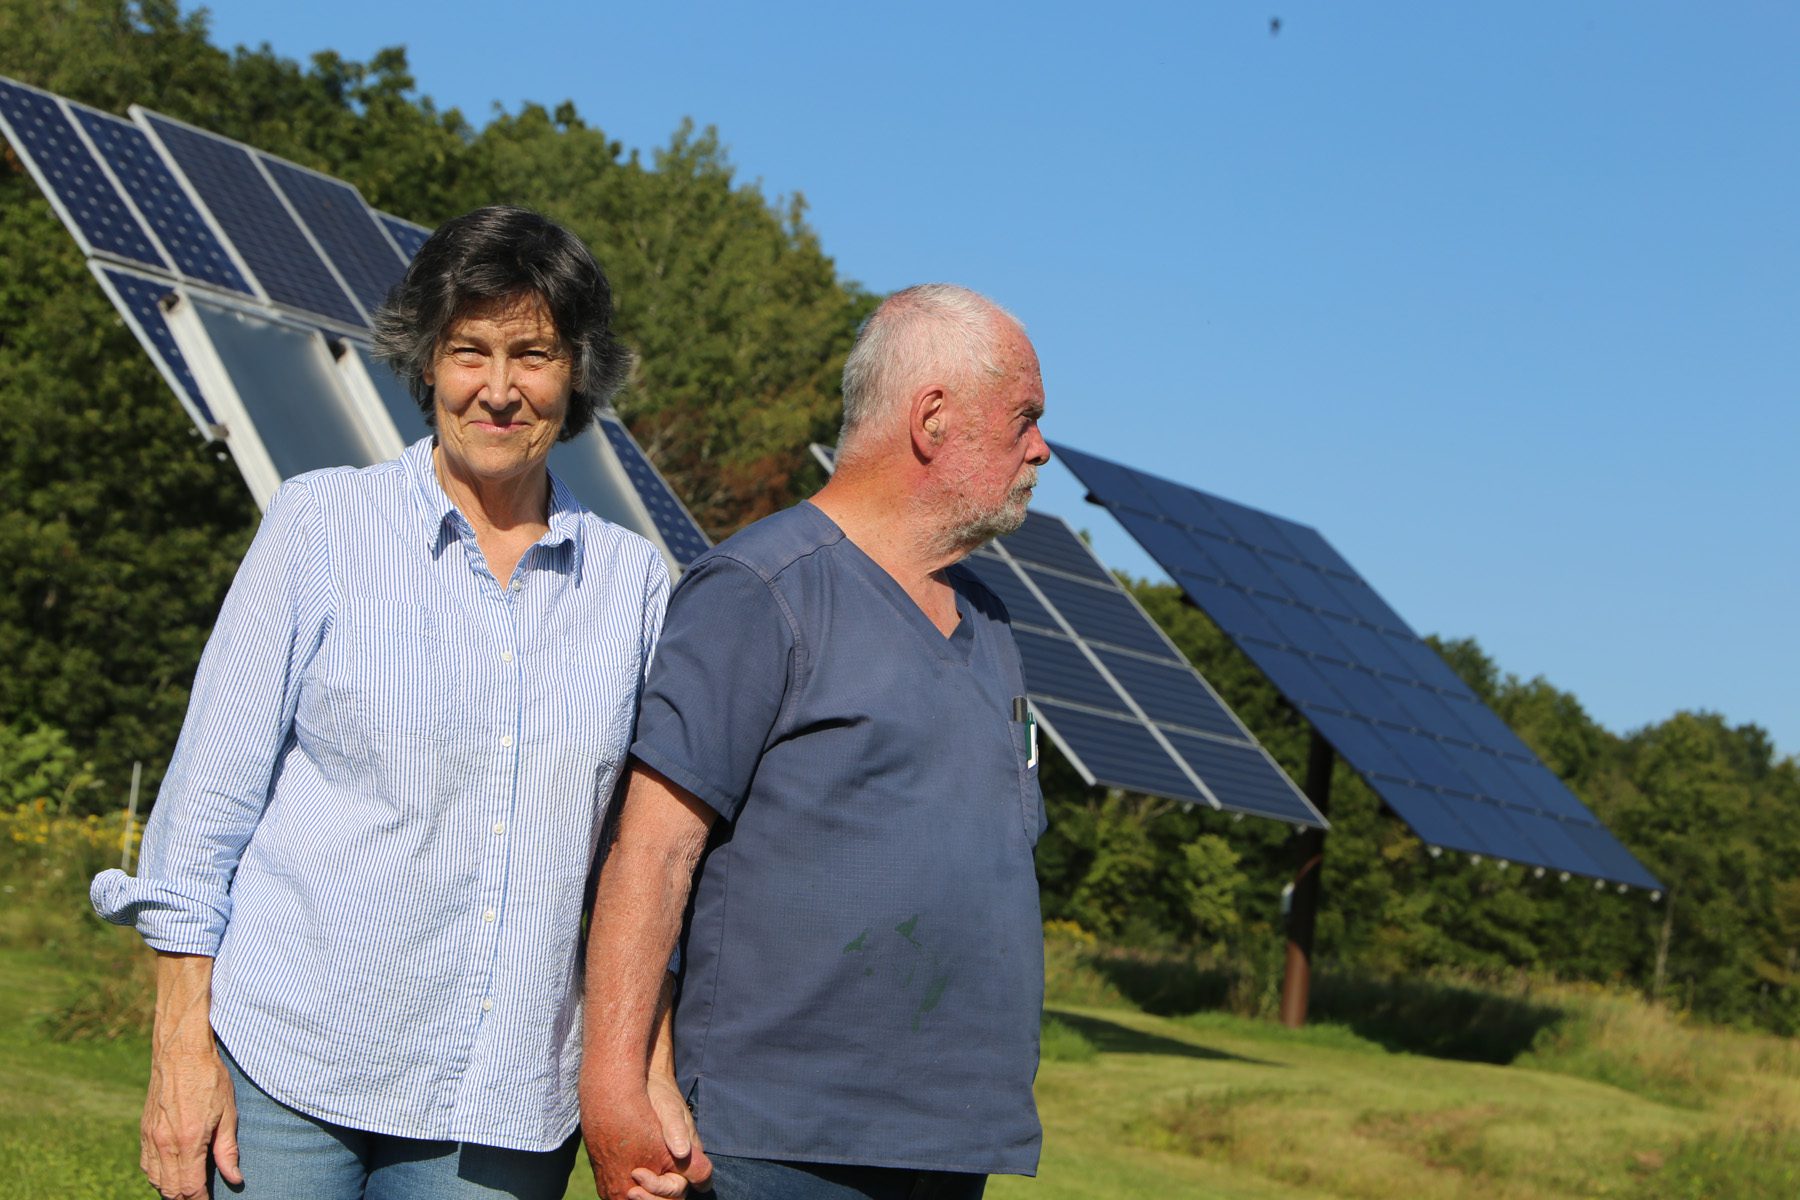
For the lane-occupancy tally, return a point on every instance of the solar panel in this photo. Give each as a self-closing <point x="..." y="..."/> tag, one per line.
<point x="679" y="531"/>
<point x="244" y="204"/>
<point x="1115" y="694"/>
<point x="1389" y="705"/>
<point x="406" y="235"/>
<point x="151" y="188"/>
<point x="344" y="227"/>
<point x="53" y="150"/>
<point x="275" y="268"/>
<point x="139" y="301"/>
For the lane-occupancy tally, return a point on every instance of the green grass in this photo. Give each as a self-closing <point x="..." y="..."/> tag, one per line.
<point x="1592" y="1094"/>
<point x="68" y="1111"/>
<point x="1225" y="1107"/>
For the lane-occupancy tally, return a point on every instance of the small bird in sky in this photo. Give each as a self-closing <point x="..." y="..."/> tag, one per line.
<point x="1274" y="26"/>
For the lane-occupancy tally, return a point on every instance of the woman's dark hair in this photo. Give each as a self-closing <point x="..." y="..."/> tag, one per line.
<point x="494" y="254"/>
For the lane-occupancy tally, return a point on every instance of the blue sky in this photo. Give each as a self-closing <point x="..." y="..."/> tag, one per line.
<point x="1506" y="302"/>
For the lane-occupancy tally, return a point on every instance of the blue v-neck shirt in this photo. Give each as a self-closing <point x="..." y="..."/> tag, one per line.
<point x="863" y="968"/>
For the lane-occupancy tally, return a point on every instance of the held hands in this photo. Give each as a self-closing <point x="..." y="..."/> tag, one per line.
<point x="678" y="1134"/>
<point x="642" y="1144"/>
<point x="190" y="1110"/>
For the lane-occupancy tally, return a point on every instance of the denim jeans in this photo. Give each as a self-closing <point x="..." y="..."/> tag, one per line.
<point x="287" y="1155"/>
<point x="762" y="1179"/>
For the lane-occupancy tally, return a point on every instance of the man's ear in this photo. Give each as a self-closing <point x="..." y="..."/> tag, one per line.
<point x="926" y="422"/>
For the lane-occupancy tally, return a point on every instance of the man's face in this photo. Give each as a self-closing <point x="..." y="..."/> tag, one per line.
<point x="995" y="448"/>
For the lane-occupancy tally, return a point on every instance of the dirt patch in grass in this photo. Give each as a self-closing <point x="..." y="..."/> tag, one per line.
<point x="1445" y="1139"/>
<point x="1202" y="1124"/>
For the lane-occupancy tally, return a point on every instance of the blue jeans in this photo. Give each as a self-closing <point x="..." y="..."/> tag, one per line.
<point x="287" y="1155"/>
<point x="761" y="1179"/>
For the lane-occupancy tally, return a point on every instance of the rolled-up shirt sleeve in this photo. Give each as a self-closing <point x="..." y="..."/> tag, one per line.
<point x="723" y="670"/>
<point x="240" y="716"/>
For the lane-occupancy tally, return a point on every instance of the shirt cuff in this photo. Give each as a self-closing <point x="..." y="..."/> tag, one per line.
<point x="166" y="919"/>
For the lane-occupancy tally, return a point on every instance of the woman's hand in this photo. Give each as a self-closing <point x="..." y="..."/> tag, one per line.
<point x="692" y="1167"/>
<point x="190" y="1110"/>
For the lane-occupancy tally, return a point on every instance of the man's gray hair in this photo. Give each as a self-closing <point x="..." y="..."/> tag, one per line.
<point x="930" y="328"/>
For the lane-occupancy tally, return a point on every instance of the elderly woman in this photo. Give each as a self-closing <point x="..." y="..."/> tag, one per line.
<point x="365" y="872"/>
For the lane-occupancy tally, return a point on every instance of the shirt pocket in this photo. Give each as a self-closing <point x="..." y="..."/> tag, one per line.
<point x="1031" y="795"/>
<point x="402" y="682"/>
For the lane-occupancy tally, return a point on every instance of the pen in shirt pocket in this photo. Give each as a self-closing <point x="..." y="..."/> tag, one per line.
<point x="1021" y="712"/>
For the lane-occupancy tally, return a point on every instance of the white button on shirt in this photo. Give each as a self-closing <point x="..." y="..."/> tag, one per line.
<point x="328" y="719"/>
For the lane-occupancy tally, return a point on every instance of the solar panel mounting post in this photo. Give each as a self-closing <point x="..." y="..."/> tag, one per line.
<point x="1303" y="906"/>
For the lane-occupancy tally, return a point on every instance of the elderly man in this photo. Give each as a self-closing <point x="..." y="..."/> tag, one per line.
<point x="834" y="753"/>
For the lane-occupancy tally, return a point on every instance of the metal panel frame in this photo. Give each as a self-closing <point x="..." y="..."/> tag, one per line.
<point x="241" y="434"/>
<point x="353" y="373"/>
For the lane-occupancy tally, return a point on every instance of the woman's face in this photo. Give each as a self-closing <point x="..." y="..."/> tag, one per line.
<point x="501" y="383"/>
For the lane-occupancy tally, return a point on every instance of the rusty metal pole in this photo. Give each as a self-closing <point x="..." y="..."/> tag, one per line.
<point x="1303" y="905"/>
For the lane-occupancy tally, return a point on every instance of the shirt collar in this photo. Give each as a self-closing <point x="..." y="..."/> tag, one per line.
<point x="440" y="513"/>
<point x="565" y="515"/>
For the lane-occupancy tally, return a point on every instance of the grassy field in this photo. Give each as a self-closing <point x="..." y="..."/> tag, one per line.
<point x="1547" y="1093"/>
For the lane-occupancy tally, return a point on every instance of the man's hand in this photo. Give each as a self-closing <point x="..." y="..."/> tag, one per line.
<point x="638" y="1148"/>
<point x="190" y="1109"/>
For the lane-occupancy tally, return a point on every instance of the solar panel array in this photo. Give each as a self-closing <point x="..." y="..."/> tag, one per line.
<point x="160" y="207"/>
<point x="1435" y="754"/>
<point x="1110" y="688"/>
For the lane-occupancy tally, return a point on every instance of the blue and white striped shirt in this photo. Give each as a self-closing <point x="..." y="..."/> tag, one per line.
<point x="383" y="807"/>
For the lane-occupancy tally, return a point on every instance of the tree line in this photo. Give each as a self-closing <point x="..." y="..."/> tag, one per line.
<point x="122" y="529"/>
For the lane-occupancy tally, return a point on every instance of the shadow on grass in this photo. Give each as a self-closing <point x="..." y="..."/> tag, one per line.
<point x="1167" y="987"/>
<point x="1109" y="1037"/>
<point x="1419" y="1016"/>
<point x="1414" y="1016"/>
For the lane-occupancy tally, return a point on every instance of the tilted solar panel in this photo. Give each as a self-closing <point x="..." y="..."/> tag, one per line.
<point x="282" y="377"/>
<point x="344" y="226"/>
<point x="231" y="186"/>
<point x="679" y="531"/>
<point x="406" y="235"/>
<point x="139" y="299"/>
<point x="1119" y="699"/>
<point x="54" y="151"/>
<point x="177" y="225"/>
<point x="1395" y="711"/>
